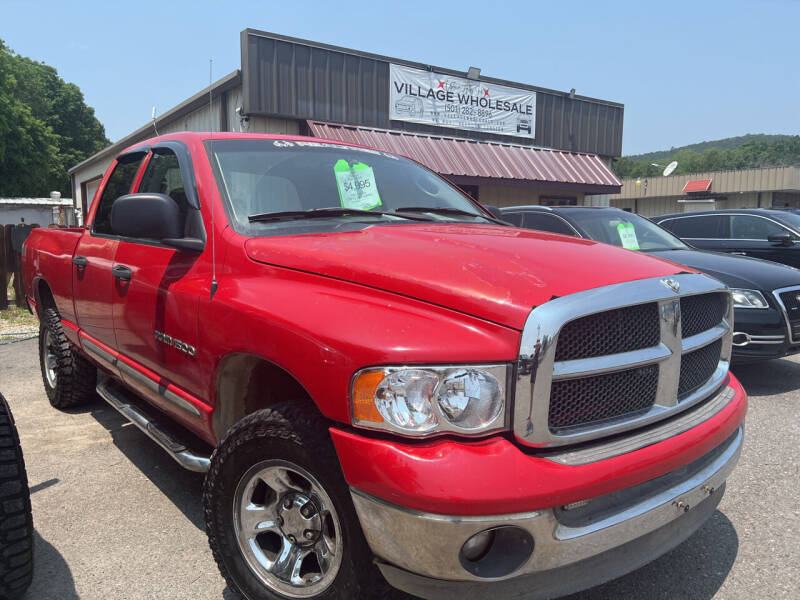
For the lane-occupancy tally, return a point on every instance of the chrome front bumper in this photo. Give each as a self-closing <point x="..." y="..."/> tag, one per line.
<point x="426" y="547"/>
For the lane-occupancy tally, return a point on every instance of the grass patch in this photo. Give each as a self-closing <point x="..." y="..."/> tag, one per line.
<point x="16" y="320"/>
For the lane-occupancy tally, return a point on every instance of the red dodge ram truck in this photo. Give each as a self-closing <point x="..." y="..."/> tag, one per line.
<point x="382" y="381"/>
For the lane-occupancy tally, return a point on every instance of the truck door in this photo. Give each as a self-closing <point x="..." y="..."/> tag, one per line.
<point x="93" y="260"/>
<point x="157" y="294"/>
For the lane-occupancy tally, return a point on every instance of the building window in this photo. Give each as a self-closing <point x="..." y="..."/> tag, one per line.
<point x="558" y="201"/>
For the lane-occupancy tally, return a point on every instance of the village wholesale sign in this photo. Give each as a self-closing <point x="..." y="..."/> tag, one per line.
<point x="435" y="99"/>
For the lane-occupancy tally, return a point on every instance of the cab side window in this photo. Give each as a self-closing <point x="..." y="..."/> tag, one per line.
<point x="749" y="227"/>
<point x="549" y="223"/>
<point x="119" y="184"/>
<point x="699" y="227"/>
<point x="513" y="218"/>
<point x="163" y="176"/>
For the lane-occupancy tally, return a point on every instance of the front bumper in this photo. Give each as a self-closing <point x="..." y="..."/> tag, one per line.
<point x="761" y="334"/>
<point x="419" y="552"/>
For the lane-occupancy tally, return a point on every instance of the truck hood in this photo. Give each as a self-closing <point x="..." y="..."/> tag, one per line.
<point x="488" y="271"/>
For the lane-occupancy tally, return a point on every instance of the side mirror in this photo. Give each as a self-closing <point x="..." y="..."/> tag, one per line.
<point x="783" y="239"/>
<point x="151" y="216"/>
<point x="154" y="217"/>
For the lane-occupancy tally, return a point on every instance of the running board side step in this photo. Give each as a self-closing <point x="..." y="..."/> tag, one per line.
<point x="175" y="448"/>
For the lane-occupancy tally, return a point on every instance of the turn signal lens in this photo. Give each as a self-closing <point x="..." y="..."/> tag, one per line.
<point x="364" y="408"/>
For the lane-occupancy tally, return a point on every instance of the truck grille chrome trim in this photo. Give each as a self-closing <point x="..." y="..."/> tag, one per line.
<point x="582" y="417"/>
<point x="657" y="433"/>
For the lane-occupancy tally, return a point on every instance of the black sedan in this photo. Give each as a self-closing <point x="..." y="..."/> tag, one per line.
<point x="766" y="295"/>
<point x="758" y="232"/>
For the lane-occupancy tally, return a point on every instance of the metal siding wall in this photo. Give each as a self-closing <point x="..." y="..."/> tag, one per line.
<point x="498" y="195"/>
<point x="296" y="81"/>
<point x="202" y="119"/>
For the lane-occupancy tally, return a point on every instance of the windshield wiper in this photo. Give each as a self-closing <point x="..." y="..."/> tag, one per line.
<point x="331" y="211"/>
<point x="447" y="210"/>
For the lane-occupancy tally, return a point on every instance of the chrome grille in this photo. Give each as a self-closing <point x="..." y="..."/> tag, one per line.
<point x="663" y="352"/>
<point x="789" y="301"/>
<point x="697" y="367"/>
<point x="587" y="400"/>
<point x="701" y="313"/>
<point x="619" y="330"/>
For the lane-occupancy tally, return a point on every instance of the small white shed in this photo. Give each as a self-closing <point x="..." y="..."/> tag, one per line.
<point x="44" y="211"/>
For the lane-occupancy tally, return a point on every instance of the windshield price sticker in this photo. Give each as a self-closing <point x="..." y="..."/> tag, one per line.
<point x="357" y="187"/>
<point x="627" y="235"/>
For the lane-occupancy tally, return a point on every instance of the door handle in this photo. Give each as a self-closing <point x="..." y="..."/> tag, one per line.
<point x="121" y="272"/>
<point x="80" y="261"/>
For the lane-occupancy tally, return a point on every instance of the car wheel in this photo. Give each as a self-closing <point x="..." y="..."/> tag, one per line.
<point x="69" y="379"/>
<point x="278" y="512"/>
<point x="16" y="523"/>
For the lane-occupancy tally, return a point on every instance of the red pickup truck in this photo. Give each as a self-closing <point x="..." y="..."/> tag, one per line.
<point x="382" y="381"/>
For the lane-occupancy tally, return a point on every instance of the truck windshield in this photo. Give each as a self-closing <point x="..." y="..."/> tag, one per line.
<point x="297" y="186"/>
<point x="626" y="230"/>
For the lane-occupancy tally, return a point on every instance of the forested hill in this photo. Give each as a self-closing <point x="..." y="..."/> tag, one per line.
<point x="723" y="144"/>
<point x="744" y="152"/>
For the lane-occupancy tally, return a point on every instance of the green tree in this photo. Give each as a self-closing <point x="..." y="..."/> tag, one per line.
<point x="45" y="127"/>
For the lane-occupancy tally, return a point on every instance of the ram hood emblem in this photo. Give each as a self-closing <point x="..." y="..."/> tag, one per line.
<point x="672" y="284"/>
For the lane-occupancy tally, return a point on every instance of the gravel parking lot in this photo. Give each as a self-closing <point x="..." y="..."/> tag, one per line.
<point x="115" y="517"/>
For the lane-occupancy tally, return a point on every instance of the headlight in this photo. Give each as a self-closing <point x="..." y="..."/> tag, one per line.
<point x="748" y="299"/>
<point x="422" y="401"/>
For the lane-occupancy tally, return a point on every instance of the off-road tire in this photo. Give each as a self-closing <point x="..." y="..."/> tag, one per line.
<point x="16" y="523"/>
<point x="76" y="377"/>
<point x="295" y="433"/>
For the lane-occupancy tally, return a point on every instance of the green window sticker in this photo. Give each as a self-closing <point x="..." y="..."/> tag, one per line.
<point x="627" y="235"/>
<point x="357" y="187"/>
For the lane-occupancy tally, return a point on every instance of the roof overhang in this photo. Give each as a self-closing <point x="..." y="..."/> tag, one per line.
<point x="697" y="185"/>
<point x="467" y="161"/>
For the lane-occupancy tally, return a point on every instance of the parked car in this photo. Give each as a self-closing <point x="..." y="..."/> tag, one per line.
<point x="758" y="232"/>
<point x="379" y="378"/>
<point x="16" y="523"/>
<point x="766" y="295"/>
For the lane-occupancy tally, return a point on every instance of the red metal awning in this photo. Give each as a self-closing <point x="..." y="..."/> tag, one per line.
<point x="697" y="185"/>
<point x="462" y="159"/>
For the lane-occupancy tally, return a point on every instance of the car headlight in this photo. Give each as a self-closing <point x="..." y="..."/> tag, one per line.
<point x="748" y="299"/>
<point x="423" y="401"/>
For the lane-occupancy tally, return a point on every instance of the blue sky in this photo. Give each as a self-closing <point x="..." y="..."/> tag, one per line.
<point x="686" y="71"/>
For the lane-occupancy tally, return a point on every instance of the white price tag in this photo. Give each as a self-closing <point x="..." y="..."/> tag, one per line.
<point x="627" y="235"/>
<point x="357" y="187"/>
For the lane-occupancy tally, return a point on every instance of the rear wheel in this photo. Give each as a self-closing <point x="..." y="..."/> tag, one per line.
<point x="16" y="523"/>
<point x="279" y="516"/>
<point x="69" y="379"/>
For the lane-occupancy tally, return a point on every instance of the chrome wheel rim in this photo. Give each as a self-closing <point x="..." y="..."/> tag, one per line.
<point x="49" y="359"/>
<point x="287" y="529"/>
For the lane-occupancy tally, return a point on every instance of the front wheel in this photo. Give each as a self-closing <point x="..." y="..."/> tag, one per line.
<point x="279" y="516"/>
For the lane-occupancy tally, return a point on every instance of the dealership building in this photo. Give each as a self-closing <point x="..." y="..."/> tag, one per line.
<point x="745" y="188"/>
<point x="503" y="142"/>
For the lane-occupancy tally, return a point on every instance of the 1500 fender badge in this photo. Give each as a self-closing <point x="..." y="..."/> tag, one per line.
<point x="175" y="343"/>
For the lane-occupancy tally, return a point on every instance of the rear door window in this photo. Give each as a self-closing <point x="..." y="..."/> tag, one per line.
<point x="118" y="184"/>
<point x="699" y="227"/>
